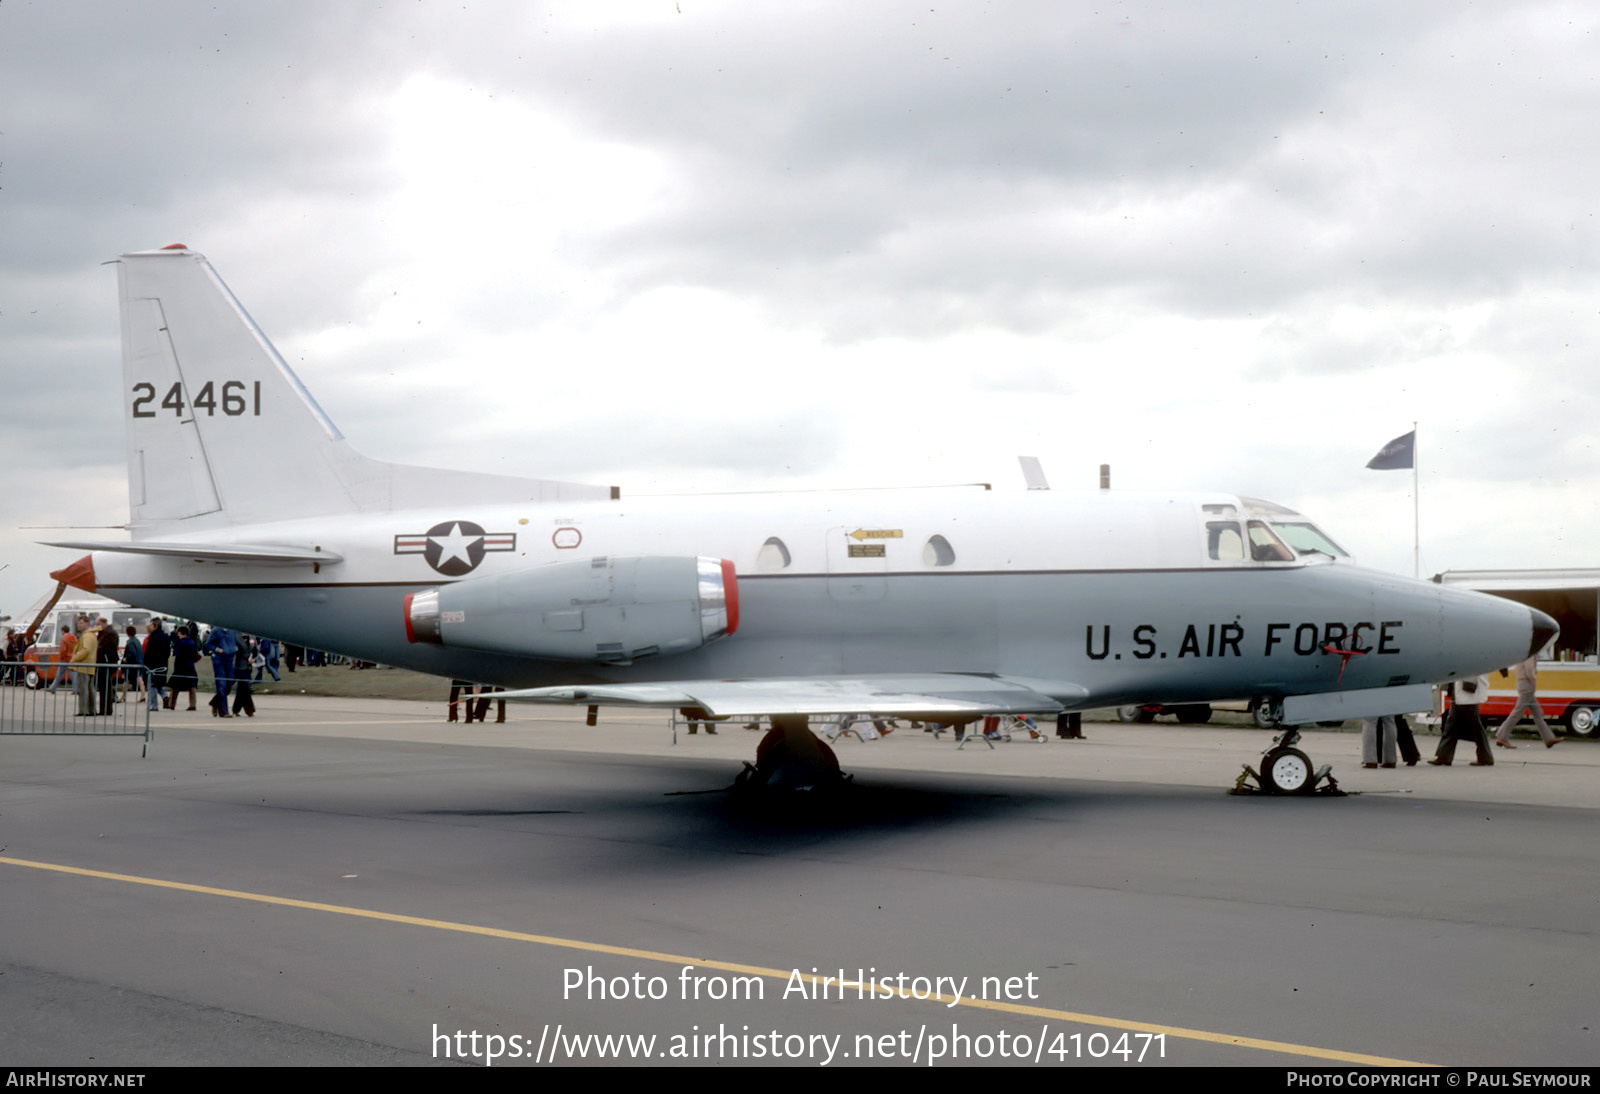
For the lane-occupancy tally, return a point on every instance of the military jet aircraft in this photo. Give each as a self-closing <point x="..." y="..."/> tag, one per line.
<point x="937" y="605"/>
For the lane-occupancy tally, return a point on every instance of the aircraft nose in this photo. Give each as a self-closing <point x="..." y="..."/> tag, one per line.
<point x="1544" y="629"/>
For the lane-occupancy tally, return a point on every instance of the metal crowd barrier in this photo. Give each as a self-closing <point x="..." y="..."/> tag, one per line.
<point x="49" y="699"/>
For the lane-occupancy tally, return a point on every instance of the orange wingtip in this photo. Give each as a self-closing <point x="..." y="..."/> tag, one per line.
<point x="80" y="575"/>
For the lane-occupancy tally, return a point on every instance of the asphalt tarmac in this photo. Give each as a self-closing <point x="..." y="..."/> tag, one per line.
<point x="357" y="882"/>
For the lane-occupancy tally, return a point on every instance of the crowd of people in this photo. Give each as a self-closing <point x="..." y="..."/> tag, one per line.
<point x="101" y="666"/>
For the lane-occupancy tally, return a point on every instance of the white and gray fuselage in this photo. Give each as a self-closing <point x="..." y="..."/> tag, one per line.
<point x="1112" y="592"/>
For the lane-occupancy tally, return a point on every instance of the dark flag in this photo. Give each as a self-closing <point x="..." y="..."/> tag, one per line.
<point x="1397" y="454"/>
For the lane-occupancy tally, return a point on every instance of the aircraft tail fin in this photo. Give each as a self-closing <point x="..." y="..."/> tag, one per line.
<point x="221" y="432"/>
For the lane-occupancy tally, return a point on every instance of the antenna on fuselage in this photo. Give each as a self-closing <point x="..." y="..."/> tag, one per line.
<point x="1033" y="473"/>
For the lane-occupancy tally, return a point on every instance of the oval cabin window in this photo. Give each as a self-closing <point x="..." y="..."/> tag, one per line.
<point x="938" y="552"/>
<point x="773" y="555"/>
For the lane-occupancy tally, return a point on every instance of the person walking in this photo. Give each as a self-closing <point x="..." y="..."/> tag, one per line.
<point x="108" y="647"/>
<point x="266" y="659"/>
<point x="132" y="664"/>
<point x="185" y="655"/>
<point x="1409" y="752"/>
<point x="1464" y="723"/>
<point x="64" y="651"/>
<point x="83" y="669"/>
<point x="1378" y="741"/>
<point x="1527" y="701"/>
<point x="243" y="700"/>
<point x="157" y="653"/>
<point x="223" y="646"/>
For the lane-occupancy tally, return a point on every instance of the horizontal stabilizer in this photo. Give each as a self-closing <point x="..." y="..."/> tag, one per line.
<point x="929" y="694"/>
<point x="257" y="553"/>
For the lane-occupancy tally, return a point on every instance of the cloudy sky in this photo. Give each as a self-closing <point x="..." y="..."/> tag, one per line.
<point x="680" y="245"/>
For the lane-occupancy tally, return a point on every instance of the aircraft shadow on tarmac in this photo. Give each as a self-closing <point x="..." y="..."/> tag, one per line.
<point x="685" y="807"/>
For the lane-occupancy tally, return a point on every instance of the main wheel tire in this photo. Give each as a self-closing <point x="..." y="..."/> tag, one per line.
<point x="1135" y="714"/>
<point x="1582" y="722"/>
<point x="1268" y="713"/>
<point x="1287" y="771"/>
<point x="1193" y="713"/>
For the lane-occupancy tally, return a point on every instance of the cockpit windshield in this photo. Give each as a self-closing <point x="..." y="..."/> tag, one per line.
<point x="1294" y="529"/>
<point x="1306" y="538"/>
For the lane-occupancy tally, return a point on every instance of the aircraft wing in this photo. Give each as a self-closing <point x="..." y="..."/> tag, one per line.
<point x="926" y="694"/>
<point x="255" y="553"/>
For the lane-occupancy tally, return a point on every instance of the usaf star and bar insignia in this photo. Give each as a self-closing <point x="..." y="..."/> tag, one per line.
<point x="456" y="546"/>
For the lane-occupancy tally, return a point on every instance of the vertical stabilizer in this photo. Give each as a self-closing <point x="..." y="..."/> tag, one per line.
<point x="213" y="411"/>
<point x="211" y="405"/>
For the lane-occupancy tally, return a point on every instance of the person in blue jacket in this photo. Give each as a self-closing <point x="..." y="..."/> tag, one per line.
<point x="223" y="646"/>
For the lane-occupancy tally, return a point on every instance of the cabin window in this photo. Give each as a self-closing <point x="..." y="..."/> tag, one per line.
<point x="1224" y="543"/>
<point x="938" y="552"/>
<point x="1266" y="547"/>
<point x="773" y="555"/>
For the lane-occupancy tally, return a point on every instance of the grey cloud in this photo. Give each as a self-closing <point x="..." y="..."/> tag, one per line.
<point x="812" y="149"/>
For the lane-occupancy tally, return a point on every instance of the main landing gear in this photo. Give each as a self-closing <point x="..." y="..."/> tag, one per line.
<point x="791" y="757"/>
<point x="1287" y="770"/>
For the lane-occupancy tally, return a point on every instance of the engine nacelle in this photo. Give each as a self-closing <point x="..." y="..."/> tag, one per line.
<point x="600" y="609"/>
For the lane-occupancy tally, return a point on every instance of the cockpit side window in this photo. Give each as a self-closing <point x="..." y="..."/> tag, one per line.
<point x="1267" y="547"/>
<point x="1224" y="543"/>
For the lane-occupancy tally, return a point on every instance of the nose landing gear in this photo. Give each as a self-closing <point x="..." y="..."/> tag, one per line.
<point x="1287" y="770"/>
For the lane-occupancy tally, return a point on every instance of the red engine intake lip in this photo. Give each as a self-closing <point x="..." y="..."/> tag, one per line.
<point x="730" y="589"/>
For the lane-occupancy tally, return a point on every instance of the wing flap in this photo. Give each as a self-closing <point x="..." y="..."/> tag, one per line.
<point x="909" y="695"/>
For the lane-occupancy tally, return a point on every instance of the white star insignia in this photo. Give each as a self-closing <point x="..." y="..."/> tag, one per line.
<point x="454" y="545"/>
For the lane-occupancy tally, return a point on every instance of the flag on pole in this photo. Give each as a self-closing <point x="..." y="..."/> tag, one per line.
<point x="1398" y="454"/>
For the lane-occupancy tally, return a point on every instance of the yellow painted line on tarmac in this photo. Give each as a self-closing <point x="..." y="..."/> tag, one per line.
<point x="1176" y="1032"/>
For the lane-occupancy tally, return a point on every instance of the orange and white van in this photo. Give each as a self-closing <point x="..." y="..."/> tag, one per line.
<point x="43" y="658"/>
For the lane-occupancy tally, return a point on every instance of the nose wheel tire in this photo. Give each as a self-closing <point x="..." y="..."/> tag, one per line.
<point x="1287" y="771"/>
